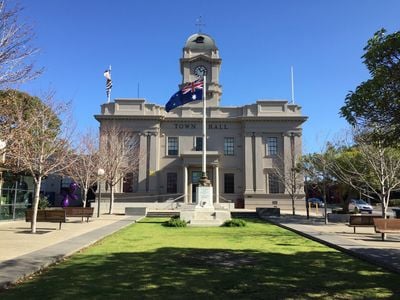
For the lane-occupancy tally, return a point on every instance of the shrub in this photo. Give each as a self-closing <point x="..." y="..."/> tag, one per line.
<point x="234" y="223"/>
<point x="394" y="202"/>
<point x="43" y="202"/>
<point x="175" y="221"/>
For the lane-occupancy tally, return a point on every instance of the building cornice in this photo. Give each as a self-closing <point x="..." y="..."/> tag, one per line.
<point x="241" y="119"/>
<point x="201" y="57"/>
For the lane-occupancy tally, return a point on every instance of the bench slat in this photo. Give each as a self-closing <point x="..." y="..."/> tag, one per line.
<point x="384" y="226"/>
<point x="84" y="212"/>
<point x="362" y="221"/>
<point x="387" y="225"/>
<point x="47" y="215"/>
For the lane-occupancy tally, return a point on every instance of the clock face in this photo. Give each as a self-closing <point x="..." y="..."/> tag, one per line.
<point x="200" y="71"/>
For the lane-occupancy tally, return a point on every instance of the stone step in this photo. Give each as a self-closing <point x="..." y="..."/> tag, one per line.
<point x="250" y="215"/>
<point x="162" y="214"/>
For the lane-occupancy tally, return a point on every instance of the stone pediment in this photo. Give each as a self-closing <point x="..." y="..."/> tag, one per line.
<point x="194" y="158"/>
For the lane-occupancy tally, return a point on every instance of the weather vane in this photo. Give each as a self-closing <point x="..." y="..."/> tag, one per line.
<point x="199" y="23"/>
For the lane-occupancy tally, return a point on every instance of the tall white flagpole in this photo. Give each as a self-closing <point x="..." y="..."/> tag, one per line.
<point x="204" y="128"/>
<point x="292" y="80"/>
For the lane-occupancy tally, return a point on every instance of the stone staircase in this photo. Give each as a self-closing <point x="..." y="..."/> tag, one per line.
<point x="244" y="215"/>
<point x="162" y="214"/>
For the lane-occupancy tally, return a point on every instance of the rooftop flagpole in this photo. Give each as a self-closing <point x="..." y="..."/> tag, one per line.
<point x="107" y="75"/>
<point x="109" y="91"/>
<point x="292" y="81"/>
<point x="204" y="128"/>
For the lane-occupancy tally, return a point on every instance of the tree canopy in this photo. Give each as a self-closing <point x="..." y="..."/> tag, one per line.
<point x="17" y="111"/>
<point x="376" y="102"/>
<point x="40" y="145"/>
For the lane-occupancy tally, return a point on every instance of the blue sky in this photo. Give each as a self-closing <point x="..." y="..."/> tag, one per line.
<point x="258" y="42"/>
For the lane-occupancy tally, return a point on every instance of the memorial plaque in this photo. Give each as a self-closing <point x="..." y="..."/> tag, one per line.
<point x="204" y="196"/>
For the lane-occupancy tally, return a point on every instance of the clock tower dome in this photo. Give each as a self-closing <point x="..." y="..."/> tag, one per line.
<point x="201" y="57"/>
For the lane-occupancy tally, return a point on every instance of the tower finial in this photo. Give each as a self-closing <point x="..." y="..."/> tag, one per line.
<point x="199" y="23"/>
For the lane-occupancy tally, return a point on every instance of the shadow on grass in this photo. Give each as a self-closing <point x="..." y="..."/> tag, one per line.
<point x="178" y="273"/>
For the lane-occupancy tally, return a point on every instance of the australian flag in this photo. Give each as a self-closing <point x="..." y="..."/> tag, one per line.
<point x="192" y="91"/>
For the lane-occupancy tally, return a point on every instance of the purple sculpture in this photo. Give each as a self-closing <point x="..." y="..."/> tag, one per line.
<point x="70" y="195"/>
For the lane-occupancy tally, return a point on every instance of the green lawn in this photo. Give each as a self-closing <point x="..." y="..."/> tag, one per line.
<point x="260" y="261"/>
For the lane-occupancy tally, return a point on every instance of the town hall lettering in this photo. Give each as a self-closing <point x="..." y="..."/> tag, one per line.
<point x="217" y="126"/>
<point x="185" y="126"/>
<point x="194" y="126"/>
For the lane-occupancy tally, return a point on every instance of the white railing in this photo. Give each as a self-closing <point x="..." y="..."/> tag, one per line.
<point x="226" y="200"/>
<point x="173" y="204"/>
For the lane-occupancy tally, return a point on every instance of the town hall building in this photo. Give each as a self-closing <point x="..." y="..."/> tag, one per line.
<point x="245" y="144"/>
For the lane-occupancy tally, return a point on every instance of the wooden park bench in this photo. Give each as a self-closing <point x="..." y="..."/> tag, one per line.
<point x="362" y="221"/>
<point x="47" y="215"/>
<point x="84" y="212"/>
<point x="387" y="226"/>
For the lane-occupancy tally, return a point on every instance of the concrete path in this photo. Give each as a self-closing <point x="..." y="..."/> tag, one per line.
<point x="365" y="244"/>
<point x="23" y="253"/>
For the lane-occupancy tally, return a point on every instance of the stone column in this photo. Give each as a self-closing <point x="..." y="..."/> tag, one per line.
<point x="248" y="156"/>
<point x="190" y="193"/>
<point x="216" y="176"/>
<point x="185" y="184"/>
<point x="153" y="162"/>
<point x="142" y="163"/>
<point x="259" y="176"/>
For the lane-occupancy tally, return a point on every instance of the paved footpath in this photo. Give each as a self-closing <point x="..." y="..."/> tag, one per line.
<point x="365" y="244"/>
<point x="23" y="253"/>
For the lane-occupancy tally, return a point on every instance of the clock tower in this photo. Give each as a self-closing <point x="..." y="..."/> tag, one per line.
<point x="201" y="57"/>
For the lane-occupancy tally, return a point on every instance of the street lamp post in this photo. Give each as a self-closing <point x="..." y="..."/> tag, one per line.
<point x="2" y="159"/>
<point x="100" y="174"/>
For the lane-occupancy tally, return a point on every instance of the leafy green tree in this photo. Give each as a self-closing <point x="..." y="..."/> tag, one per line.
<point x="41" y="146"/>
<point x="14" y="107"/>
<point x="376" y="102"/>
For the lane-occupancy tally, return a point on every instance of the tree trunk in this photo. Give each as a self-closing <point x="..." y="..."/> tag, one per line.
<point x="35" y="204"/>
<point x="293" y="208"/>
<point x="111" y="199"/>
<point x="383" y="208"/>
<point x="84" y="196"/>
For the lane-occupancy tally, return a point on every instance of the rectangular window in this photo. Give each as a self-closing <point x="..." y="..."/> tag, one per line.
<point x="273" y="183"/>
<point x="229" y="146"/>
<point x="172" y="179"/>
<point x="272" y="146"/>
<point x="229" y="183"/>
<point x="199" y="143"/>
<point x="173" y="146"/>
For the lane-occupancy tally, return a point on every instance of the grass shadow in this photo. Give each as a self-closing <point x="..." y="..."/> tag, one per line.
<point x="177" y="273"/>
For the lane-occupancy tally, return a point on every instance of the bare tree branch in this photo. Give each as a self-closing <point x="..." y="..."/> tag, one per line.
<point x="85" y="163"/>
<point x="119" y="155"/>
<point x="372" y="165"/>
<point x="16" y="51"/>
<point x="291" y="178"/>
<point x="43" y="147"/>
